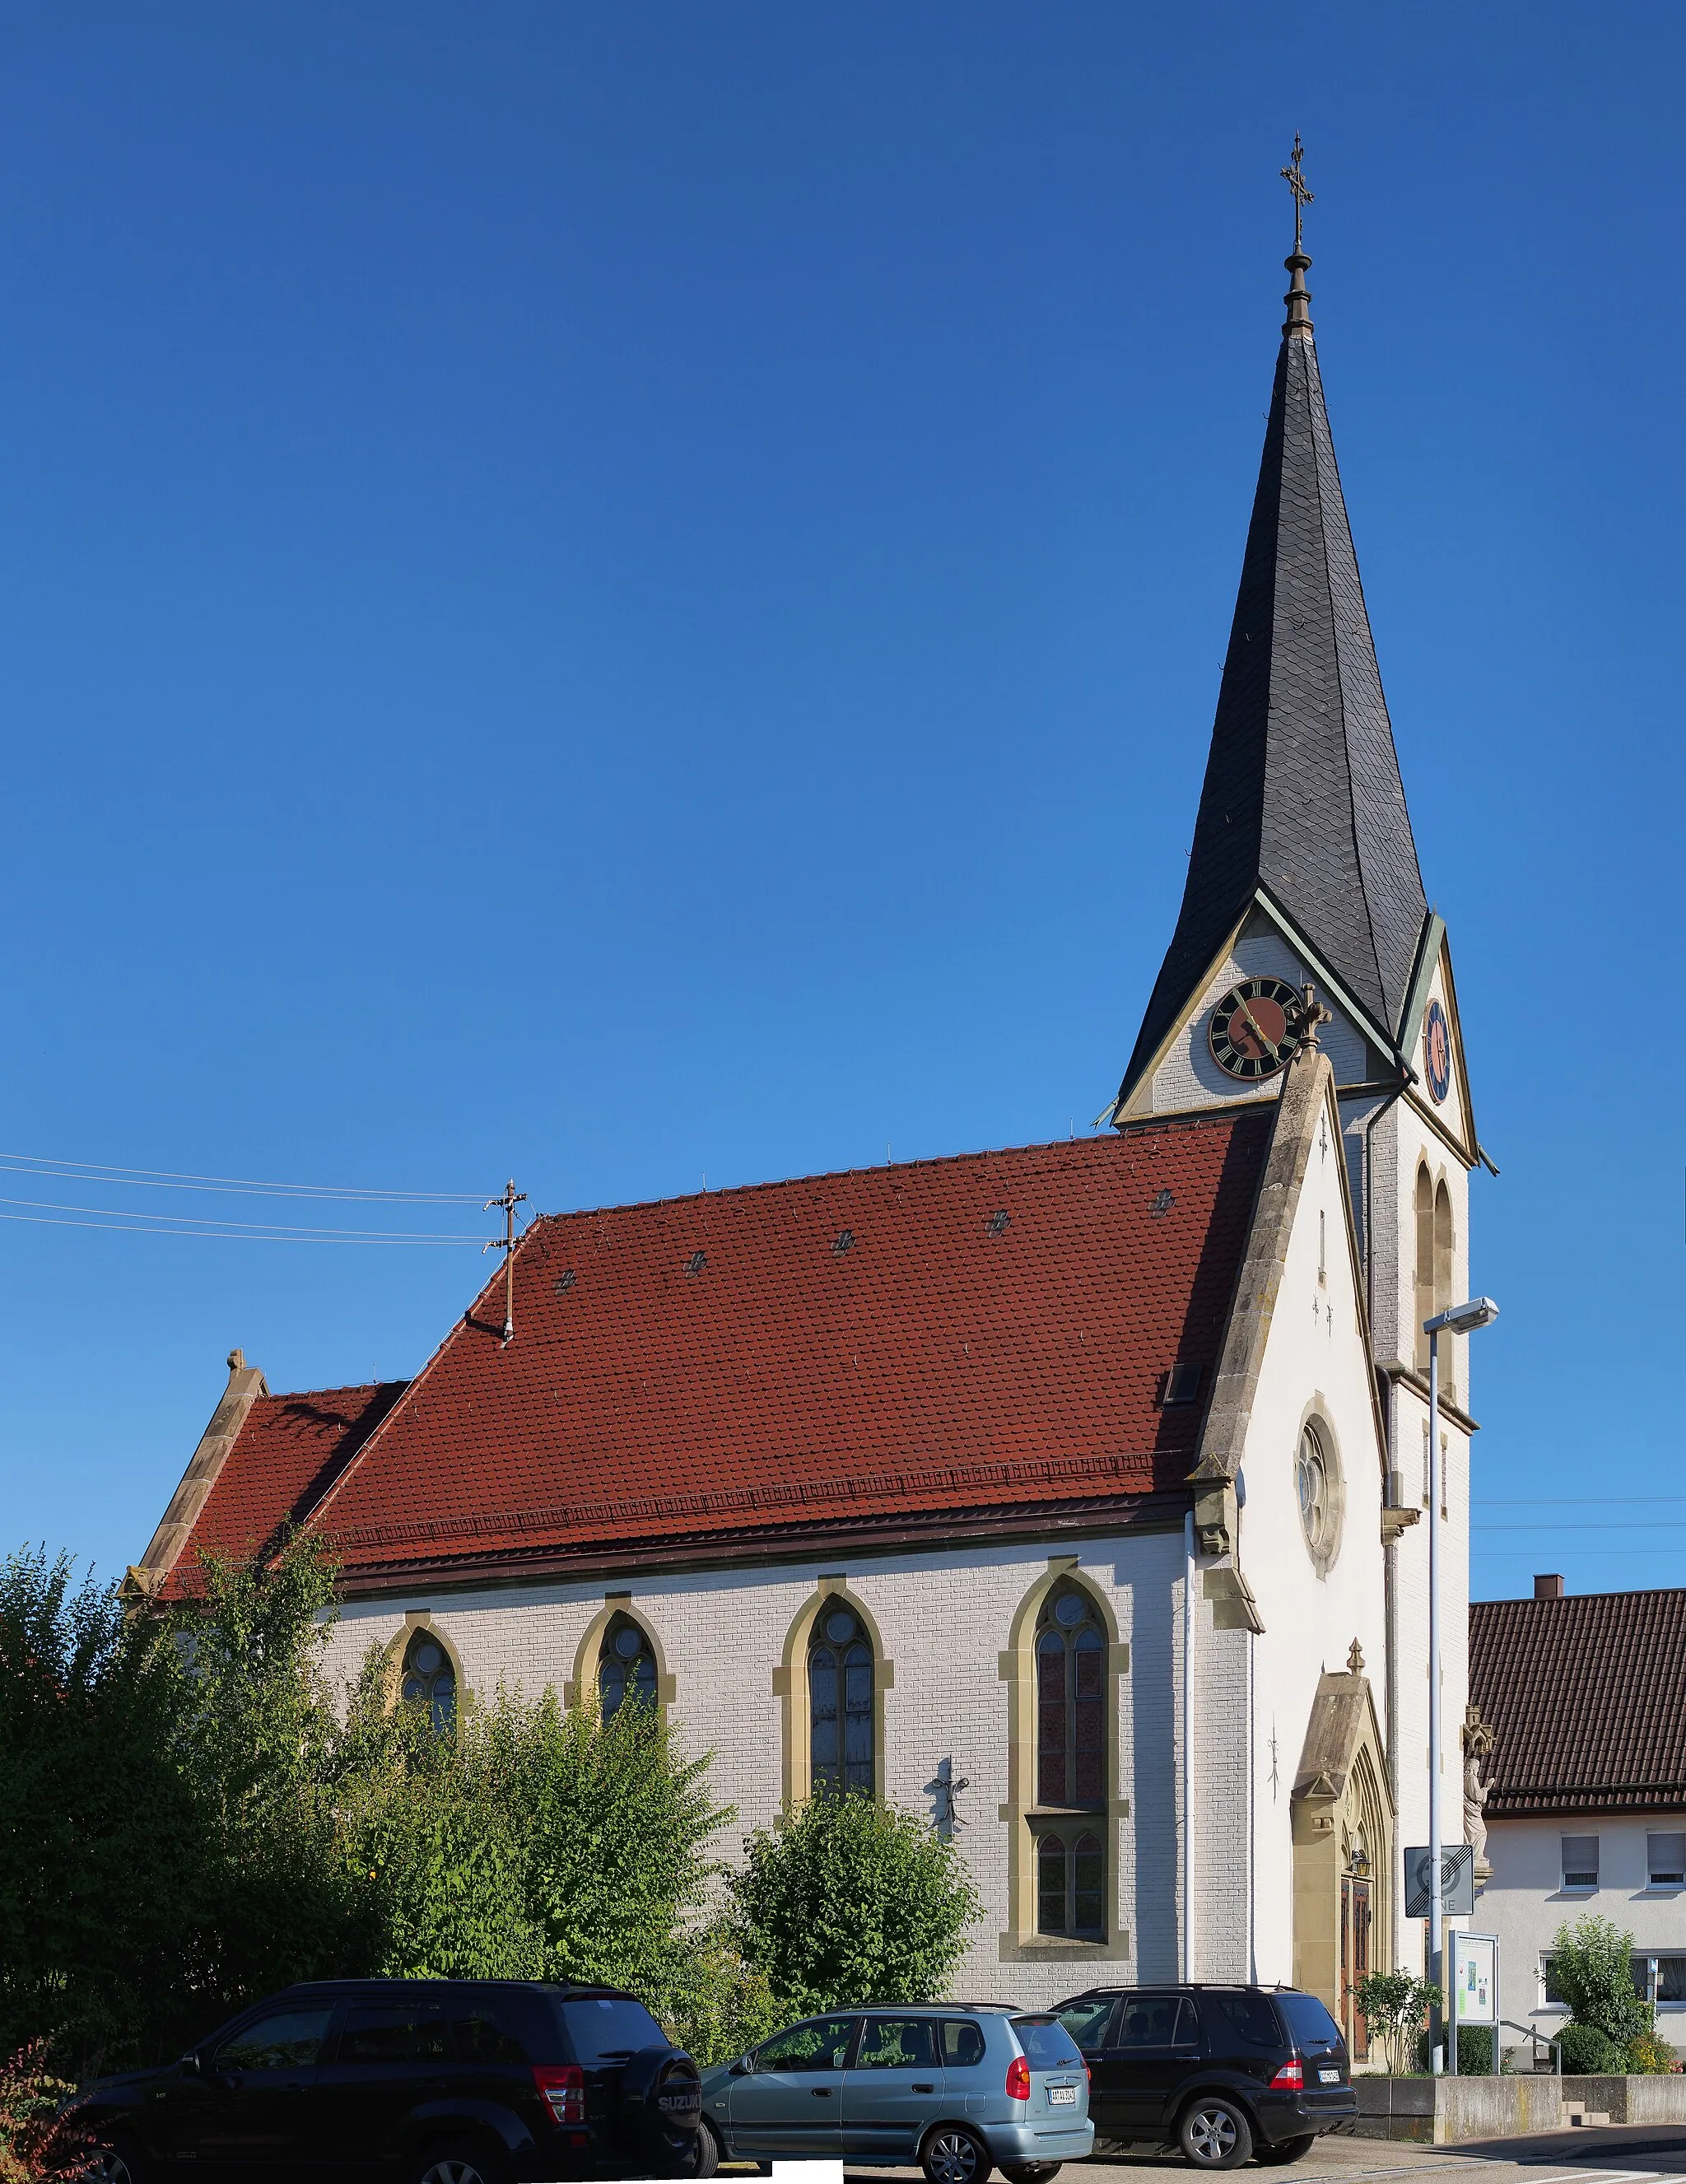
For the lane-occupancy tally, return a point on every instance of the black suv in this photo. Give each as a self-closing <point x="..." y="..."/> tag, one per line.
<point x="413" y="2081"/>
<point x="1223" y="2072"/>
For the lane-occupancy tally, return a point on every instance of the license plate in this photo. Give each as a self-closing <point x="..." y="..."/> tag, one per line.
<point x="1062" y="2096"/>
<point x="1328" y="2077"/>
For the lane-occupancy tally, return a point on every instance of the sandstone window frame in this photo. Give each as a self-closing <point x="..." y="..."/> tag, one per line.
<point x="1024" y="1817"/>
<point x="393" y="1655"/>
<point x="617" y="1607"/>
<point x="791" y="1689"/>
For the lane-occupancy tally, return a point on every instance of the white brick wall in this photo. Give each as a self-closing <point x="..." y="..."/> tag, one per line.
<point x="944" y="1619"/>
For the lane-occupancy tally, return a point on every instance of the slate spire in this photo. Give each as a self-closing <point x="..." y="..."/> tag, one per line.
<point x="1302" y="800"/>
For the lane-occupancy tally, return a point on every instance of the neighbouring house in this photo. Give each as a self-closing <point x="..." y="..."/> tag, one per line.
<point x="1074" y="1492"/>
<point x="1585" y="1694"/>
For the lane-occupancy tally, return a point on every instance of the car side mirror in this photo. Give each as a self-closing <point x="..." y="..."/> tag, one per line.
<point x="191" y="2064"/>
<point x="742" y="2067"/>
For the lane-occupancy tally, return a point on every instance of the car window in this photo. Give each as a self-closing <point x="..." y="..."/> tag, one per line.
<point x="394" y="2032"/>
<point x="602" y="2026"/>
<point x="480" y="2037"/>
<point x="1154" y="2020"/>
<point x="1086" y="2022"/>
<point x="818" y="2043"/>
<point x="962" y="2043"/>
<point x="896" y="2043"/>
<point x="1308" y="2020"/>
<point x="285" y="2040"/>
<point x="1243" y="2016"/>
<point x="1047" y="2044"/>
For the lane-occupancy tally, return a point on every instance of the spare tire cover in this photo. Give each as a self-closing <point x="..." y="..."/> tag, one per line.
<point x="661" y="2092"/>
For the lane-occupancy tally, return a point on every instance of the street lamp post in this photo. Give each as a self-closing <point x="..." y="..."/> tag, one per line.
<point x="1461" y="1319"/>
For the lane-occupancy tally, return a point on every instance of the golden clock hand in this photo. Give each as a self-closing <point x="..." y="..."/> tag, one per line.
<point x="1269" y="1044"/>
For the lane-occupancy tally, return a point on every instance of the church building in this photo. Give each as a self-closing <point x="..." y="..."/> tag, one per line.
<point x="1076" y="1494"/>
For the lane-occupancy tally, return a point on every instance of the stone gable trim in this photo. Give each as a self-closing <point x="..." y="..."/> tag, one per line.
<point x="246" y="1384"/>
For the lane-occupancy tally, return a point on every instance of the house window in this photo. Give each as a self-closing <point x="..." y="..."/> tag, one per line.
<point x="1070" y="1702"/>
<point x="840" y="1701"/>
<point x="430" y="1681"/>
<point x="627" y="1667"/>
<point x="1666" y="1860"/>
<point x="1580" y="1861"/>
<point x="1070" y="1883"/>
<point x="1671" y="1979"/>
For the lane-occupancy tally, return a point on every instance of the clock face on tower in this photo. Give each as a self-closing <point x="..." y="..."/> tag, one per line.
<point x="1437" y="1052"/>
<point x="1254" y="1027"/>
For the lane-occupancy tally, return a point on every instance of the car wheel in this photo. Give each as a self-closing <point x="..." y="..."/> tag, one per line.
<point x="705" y="2158"/>
<point x="116" y="2162"/>
<point x="1029" y="2172"/>
<point x="459" y="2161"/>
<point x="952" y="2155"/>
<point x="1214" y="2134"/>
<point x="1286" y="2149"/>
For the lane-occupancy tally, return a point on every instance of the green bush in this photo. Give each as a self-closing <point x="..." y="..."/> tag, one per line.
<point x="192" y="1818"/>
<point x="1650" y="2057"/>
<point x="847" y="1901"/>
<point x="1592" y="1966"/>
<point x="1589" y="2053"/>
<point x="1394" y="2005"/>
<point x="1474" y="2051"/>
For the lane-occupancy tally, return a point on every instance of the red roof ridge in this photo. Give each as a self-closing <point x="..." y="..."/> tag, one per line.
<point x="1152" y="1125"/>
<point x="347" y="1388"/>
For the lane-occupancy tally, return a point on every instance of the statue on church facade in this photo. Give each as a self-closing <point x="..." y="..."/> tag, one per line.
<point x="1477" y="1746"/>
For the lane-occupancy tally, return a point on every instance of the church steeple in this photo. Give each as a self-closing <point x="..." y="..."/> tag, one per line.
<point x="1303" y="807"/>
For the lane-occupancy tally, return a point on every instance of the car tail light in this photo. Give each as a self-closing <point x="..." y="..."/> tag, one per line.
<point x="564" y="2087"/>
<point x="1290" y="2079"/>
<point x="1018" y="2079"/>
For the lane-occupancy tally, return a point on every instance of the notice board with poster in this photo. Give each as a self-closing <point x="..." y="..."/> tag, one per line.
<point x="1475" y="1977"/>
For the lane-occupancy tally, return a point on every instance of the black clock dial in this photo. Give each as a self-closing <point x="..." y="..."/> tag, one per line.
<point x="1254" y="1027"/>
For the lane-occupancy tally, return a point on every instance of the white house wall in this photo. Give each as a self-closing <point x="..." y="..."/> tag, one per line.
<point x="1525" y="1903"/>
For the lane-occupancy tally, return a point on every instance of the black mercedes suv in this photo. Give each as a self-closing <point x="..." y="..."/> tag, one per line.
<point x="1223" y="2072"/>
<point x="408" y="2081"/>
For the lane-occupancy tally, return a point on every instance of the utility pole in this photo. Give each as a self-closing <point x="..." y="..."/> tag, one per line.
<point x="509" y="1199"/>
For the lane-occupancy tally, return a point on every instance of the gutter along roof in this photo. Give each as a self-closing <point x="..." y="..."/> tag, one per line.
<point x="897" y="1351"/>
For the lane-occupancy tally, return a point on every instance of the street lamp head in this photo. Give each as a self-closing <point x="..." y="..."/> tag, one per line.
<point x="1463" y="1318"/>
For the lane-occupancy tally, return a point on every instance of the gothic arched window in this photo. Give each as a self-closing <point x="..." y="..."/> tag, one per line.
<point x="1071" y="1882"/>
<point x="430" y="1680"/>
<point x="1425" y="1263"/>
<point x="840" y="1701"/>
<point x="1444" y="1299"/>
<point x="627" y="1667"/>
<point x="1070" y="1700"/>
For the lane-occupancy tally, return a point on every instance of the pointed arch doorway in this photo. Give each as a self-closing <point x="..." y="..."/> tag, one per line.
<point x="1344" y="1850"/>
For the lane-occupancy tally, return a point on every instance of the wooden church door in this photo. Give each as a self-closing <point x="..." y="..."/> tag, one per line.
<point x="1355" y="1962"/>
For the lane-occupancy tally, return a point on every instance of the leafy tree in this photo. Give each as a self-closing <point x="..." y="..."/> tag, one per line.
<point x="728" y="2005"/>
<point x="1592" y="1967"/>
<point x="848" y="1900"/>
<point x="1395" y="2006"/>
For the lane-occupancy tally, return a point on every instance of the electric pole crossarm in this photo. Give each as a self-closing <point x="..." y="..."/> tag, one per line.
<point x="509" y="1199"/>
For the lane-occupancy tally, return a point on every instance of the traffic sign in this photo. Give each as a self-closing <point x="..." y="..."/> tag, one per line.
<point x="1457" y="1880"/>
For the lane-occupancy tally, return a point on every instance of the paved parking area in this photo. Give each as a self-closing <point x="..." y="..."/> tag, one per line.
<point x="1632" y="2153"/>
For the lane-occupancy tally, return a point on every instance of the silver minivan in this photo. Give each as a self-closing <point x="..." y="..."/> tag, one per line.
<point x="961" y="2090"/>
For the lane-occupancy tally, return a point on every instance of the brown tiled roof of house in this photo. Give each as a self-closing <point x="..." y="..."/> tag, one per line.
<point x="1587" y="1697"/>
<point x="904" y="1347"/>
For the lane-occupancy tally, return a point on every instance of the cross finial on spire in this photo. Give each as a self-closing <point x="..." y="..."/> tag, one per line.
<point x="1299" y="297"/>
<point x="1302" y="196"/>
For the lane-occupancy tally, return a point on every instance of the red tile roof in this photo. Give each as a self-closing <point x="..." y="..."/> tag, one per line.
<point x="1587" y="1697"/>
<point x="290" y="1450"/>
<point x="919" y="1343"/>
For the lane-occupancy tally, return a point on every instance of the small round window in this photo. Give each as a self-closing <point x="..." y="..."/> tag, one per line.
<point x="1317" y="1482"/>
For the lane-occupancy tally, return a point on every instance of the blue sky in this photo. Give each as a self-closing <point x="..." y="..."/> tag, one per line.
<point x="621" y="594"/>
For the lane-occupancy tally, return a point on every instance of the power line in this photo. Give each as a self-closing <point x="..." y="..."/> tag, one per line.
<point x="154" y="1179"/>
<point x="1584" y="1500"/>
<point x="1621" y="1524"/>
<point x="160" y="1224"/>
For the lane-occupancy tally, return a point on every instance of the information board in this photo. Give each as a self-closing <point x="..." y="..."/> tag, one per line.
<point x="1475" y="1977"/>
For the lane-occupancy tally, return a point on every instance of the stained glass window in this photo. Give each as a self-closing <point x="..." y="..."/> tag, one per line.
<point x="626" y="1666"/>
<point x="840" y="1700"/>
<point x="429" y="1680"/>
<point x="1071" y="1694"/>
